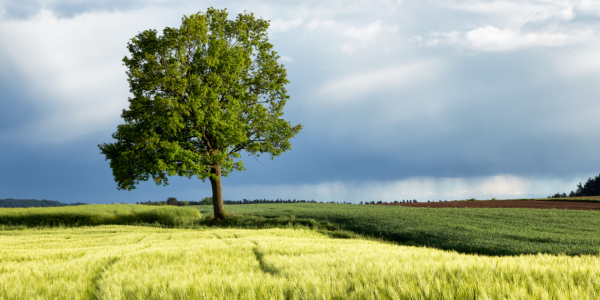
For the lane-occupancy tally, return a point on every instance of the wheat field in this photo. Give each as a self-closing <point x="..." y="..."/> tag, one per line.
<point x="134" y="262"/>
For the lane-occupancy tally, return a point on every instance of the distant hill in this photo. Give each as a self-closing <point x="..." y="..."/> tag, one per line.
<point x="10" y="202"/>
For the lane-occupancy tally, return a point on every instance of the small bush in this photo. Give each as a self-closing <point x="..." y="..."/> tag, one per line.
<point x="169" y="216"/>
<point x="206" y="201"/>
<point x="172" y="201"/>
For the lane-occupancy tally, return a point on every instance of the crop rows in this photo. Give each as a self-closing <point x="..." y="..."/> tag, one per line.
<point x="127" y="262"/>
<point x="489" y="231"/>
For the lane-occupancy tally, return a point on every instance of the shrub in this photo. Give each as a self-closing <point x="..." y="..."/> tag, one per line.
<point x="100" y="215"/>
<point x="206" y="201"/>
<point x="172" y="201"/>
<point x="168" y="216"/>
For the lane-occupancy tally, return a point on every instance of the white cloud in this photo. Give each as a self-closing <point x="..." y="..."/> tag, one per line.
<point x="353" y="87"/>
<point x="499" y="26"/>
<point x="73" y="67"/>
<point x="491" y="39"/>
<point x="421" y="188"/>
<point x="281" y="25"/>
<point x="356" y="37"/>
<point x="515" y="12"/>
<point x="583" y="62"/>
<point x="521" y="12"/>
<point x="567" y="14"/>
<point x="366" y="33"/>
<point x="288" y="59"/>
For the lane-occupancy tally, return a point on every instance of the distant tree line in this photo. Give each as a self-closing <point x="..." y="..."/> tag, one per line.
<point x="13" y="203"/>
<point x="590" y="188"/>
<point x="256" y="201"/>
<point x="395" y="202"/>
<point x="208" y="201"/>
<point x="171" y="201"/>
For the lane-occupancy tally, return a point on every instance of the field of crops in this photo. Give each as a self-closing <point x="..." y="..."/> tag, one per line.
<point x="129" y="262"/>
<point x="105" y="214"/>
<point x="490" y="231"/>
<point x="476" y="231"/>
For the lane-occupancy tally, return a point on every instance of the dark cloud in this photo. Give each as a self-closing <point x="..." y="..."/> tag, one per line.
<point x="20" y="9"/>
<point x="24" y="9"/>
<point x="478" y="114"/>
<point x="16" y="100"/>
<point x="503" y="113"/>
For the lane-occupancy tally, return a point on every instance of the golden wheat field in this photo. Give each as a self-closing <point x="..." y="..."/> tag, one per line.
<point x="129" y="262"/>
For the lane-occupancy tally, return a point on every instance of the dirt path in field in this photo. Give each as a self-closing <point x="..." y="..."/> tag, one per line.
<point x="542" y="204"/>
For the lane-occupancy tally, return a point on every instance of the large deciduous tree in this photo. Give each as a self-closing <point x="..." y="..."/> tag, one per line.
<point x="202" y="93"/>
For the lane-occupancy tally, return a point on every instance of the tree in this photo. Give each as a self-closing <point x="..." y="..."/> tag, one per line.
<point x="206" y="201"/>
<point x="202" y="93"/>
<point x="590" y="188"/>
<point x="172" y="201"/>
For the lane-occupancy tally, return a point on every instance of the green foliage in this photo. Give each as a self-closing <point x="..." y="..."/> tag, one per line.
<point x="502" y="231"/>
<point x="89" y="215"/>
<point x="206" y="201"/>
<point x="590" y="188"/>
<point x="201" y="94"/>
<point x="33" y="203"/>
<point x="172" y="201"/>
<point x="157" y="203"/>
<point x="282" y="221"/>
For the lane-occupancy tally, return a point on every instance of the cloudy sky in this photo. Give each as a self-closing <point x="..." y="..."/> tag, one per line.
<point x="406" y="99"/>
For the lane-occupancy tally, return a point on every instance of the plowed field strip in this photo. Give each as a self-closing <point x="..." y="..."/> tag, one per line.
<point x="540" y="204"/>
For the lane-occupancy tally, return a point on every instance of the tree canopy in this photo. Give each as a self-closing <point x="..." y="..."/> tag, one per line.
<point x="202" y="93"/>
<point x="590" y="188"/>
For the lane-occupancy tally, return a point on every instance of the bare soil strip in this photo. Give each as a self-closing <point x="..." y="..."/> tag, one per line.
<point x="541" y="204"/>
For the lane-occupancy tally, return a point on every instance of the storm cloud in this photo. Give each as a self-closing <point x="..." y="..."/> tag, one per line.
<point x="398" y="99"/>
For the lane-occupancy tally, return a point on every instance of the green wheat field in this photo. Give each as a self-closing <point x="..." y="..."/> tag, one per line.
<point x="140" y="252"/>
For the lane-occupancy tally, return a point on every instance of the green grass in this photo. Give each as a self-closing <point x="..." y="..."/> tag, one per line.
<point x="106" y="214"/>
<point x="132" y="262"/>
<point x="466" y="230"/>
<point x="488" y="231"/>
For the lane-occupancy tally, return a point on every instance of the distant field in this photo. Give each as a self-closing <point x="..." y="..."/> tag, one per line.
<point x="102" y="214"/>
<point x="502" y="231"/>
<point x="128" y="262"/>
<point x="532" y="204"/>
<point x="466" y="230"/>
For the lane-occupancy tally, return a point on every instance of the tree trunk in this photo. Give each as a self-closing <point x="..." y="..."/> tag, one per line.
<point x="219" y="209"/>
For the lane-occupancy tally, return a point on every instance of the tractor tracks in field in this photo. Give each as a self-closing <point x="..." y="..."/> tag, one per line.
<point x="262" y="263"/>
<point x="94" y="288"/>
<point x="265" y="266"/>
<point x="140" y="239"/>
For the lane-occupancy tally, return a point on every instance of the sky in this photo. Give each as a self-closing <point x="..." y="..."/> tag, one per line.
<point x="426" y="100"/>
